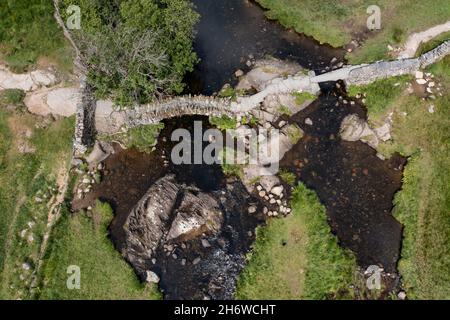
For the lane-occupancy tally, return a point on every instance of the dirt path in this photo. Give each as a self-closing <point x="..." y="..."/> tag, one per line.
<point x="62" y="179"/>
<point x="416" y="39"/>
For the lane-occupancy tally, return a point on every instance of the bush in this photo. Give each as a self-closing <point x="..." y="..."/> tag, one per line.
<point x="223" y="122"/>
<point x="12" y="97"/>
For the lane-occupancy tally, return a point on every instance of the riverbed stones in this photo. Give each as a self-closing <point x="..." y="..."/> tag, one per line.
<point x="421" y="81"/>
<point x="100" y="152"/>
<point x="278" y="190"/>
<point x="205" y="243"/>
<point x="239" y="73"/>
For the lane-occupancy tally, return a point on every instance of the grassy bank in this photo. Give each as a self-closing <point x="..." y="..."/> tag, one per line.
<point x="297" y="257"/>
<point x="82" y="240"/>
<point x="32" y="161"/>
<point x="423" y="204"/>
<point x="338" y="22"/>
<point x="30" y="35"/>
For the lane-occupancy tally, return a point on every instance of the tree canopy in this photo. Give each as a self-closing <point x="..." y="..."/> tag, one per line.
<point x="136" y="50"/>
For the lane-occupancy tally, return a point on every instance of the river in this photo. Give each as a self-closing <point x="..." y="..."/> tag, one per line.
<point x="355" y="185"/>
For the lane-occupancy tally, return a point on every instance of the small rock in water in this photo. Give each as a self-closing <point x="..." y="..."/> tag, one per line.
<point x="205" y="243"/>
<point x="251" y="209"/>
<point x="196" y="261"/>
<point x="151" y="277"/>
<point x="239" y="73"/>
<point x="308" y="121"/>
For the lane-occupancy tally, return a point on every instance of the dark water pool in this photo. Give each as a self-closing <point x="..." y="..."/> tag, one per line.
<point x="232" y="32"/>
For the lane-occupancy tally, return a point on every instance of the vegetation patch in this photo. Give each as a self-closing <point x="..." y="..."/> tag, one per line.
<point x="302" y="97"/>
<point x="136" y="50"/>
<point x="143" y="137"/>
<point x="433" y="43"/>
<point x="288" y="177"/>
<point x="298" y="257"/>
<point x="337" y="22"/>
<point x="82" y="240"/>
<point x="380" y="95"/>
<point x="224" y="122"/>
<point x="28" y="32"/>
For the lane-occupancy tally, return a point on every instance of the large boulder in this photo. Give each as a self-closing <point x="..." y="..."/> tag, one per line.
<point x="353" y="128"/>
<point x="168" y="212"/>
<point x="265" y="71"/>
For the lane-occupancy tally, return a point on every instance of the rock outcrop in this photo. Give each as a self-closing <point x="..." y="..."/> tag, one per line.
<point x="27" y="81"/>
<point x="192" y="241"/>
<point x="53" y="101"/>
<point x="353" y="128"/>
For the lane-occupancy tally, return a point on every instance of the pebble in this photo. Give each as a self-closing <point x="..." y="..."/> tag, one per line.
<point x="205" y="243"/>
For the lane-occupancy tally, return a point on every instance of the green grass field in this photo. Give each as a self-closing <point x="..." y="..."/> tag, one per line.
<point x="30" y="35"/>
<point x="423" y="204"/>
<point x="297" y="257"/>
<point x="82" y="240"/>
<point x="338" y="22"/>
<point x="28" y="183"/>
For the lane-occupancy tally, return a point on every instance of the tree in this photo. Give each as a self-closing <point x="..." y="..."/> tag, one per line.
<point x="136" y="50"/>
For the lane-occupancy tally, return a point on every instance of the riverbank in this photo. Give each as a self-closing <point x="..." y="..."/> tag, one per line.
<point x="35" y="157"/>
<point x="420" y="131"/>
<point x="338" y="23"/>
<point x="297" y="257"/>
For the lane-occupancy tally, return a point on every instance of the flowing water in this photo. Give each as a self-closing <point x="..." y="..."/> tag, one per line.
<point x="232" y="32"/>
<point x="356" y="187"/>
